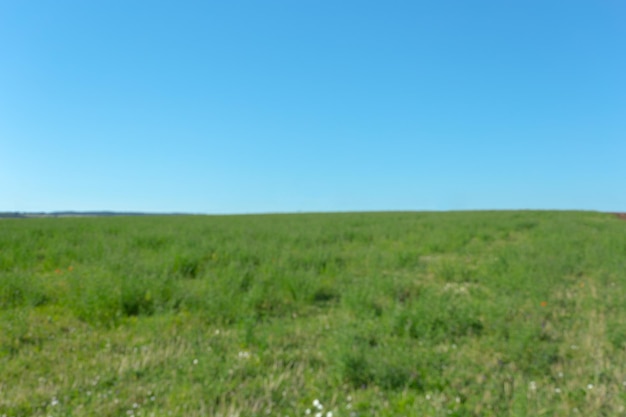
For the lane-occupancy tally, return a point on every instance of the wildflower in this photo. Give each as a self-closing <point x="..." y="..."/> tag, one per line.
<point x="54" y="401"/>
<point x="329" y="414"/>
<point x="532" y="385"/>
<point x="544" y="303"/>
<point x="307" y="411"/>
<point x="317" y="404"/>
<point x="589" y="386"/>
<point x="195" y="361"/>
<point x="557" y="390"/>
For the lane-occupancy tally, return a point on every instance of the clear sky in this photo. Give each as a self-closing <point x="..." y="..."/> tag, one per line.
<point x="312" y="105"/>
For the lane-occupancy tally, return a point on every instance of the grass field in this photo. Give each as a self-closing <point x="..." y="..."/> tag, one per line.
<point x="355" y="314"/>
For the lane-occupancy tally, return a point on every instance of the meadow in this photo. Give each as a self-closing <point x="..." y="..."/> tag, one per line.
<point x="329" y="315"/>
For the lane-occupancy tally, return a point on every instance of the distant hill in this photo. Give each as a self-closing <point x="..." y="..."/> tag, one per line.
<point x="24" y="215"/>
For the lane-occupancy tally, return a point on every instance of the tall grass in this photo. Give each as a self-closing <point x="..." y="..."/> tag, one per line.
<point x="466" y="314"/>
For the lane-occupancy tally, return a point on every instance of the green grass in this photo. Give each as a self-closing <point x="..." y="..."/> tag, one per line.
<point x="387" y="314"/>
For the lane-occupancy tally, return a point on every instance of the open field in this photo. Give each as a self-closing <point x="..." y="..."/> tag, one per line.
<point x="387" y="314"/>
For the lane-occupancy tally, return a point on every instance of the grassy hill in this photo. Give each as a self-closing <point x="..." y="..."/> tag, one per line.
<point x="389" y="314"/>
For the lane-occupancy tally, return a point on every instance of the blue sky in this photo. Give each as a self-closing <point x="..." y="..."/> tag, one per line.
<point x="312" y="105"/>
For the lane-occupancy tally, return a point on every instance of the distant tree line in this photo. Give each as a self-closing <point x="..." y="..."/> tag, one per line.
<point x="23" y="215"/>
